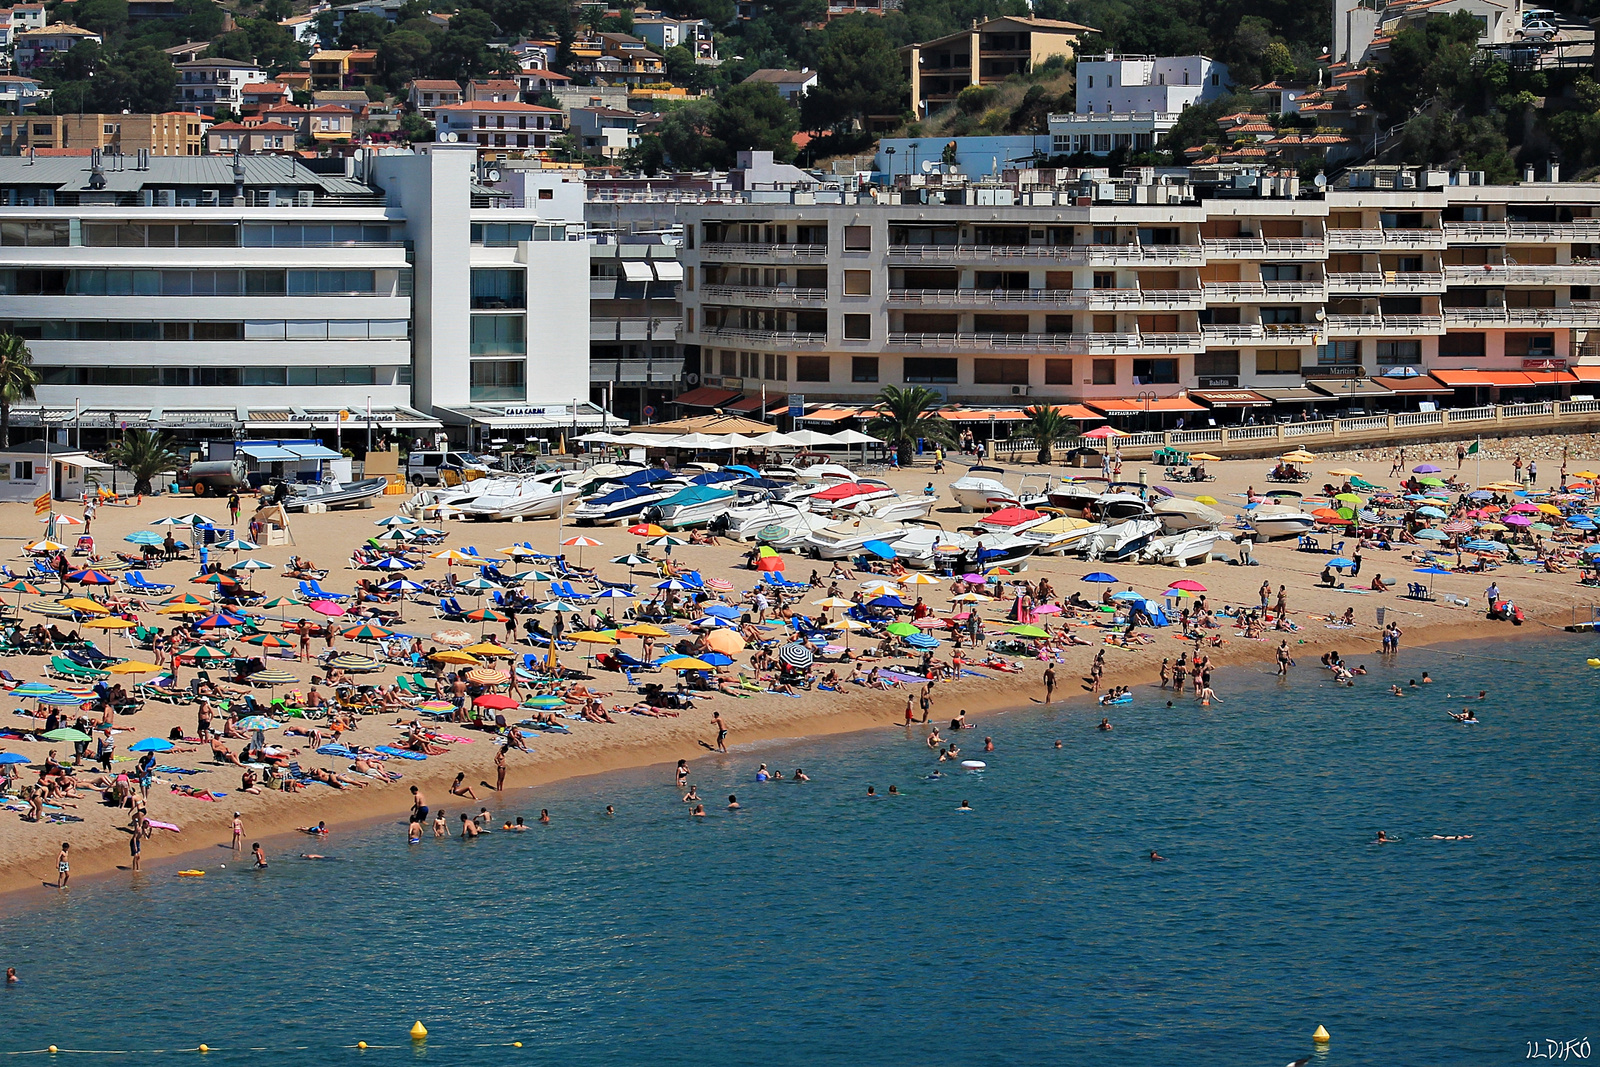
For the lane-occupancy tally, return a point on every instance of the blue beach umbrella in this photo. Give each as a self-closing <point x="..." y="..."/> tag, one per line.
<point x="62" y="700"/>
<point x="1127" y="594"/>
<point x="33" y="689"/>
<point x="1430" y="512"/>
<point x="395" y="563"/>
<point x="13" y="757"/>
<point x="401" y="585"/>
<point x="143" y="537"/>
<point x="723" y="611"/>
<point x="716" y="659"/>
<point x="1432" y="535"/>
<point x="881" y="549"/>
<point x="886" y="601"/>
<point x="152" y="744"/>
<point x="1340" y="561"/>
<point x="1430" y="570"/>
<point x="1099" y="576"/>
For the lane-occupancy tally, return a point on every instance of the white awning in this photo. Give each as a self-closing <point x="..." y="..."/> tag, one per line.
<point x="79" y="460"/>
<point x="636" y="270"/>
<point x="668" y="270"/>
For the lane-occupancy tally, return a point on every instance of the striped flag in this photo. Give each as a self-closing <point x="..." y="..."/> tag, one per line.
<point x="41" y="503"/>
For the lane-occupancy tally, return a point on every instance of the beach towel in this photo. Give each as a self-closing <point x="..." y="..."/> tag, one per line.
<point x="398" y="753"/>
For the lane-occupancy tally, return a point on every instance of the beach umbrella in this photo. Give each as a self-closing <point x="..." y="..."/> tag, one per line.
<point x="725" y="641"/>
<point x="887" y="600"/>
<point x="453" y="655"/>
<point x="581" y="542"/>
<point x="834" y="602"/>
<point x="452" y="556"/>
<point x="219" y="621"/>
<point x="351" y="662"/>
<point x="1190" y="584"/>
<point x="202" y="652"/>
<point x="672" y="584"/>
<point x="1429" y="512"/>
<point x="632" y="560"/>
<point x="970" y="598"/>
<point x="1518" y="520"/>
<point x="187" y="599"/>
<point x="488" y="676"/>
<point x="615" y="594"/>
<point x="881" y="549"/>
<point x="67" y="733"/>
<point x="919" y="578"/>
<point x="1548" y="509"/>
<point x="1327" y="515"/>
<point x="716" y="659"/>
<point x="1344" y="472"/>
<point x="47" y="545"/>
<point x="110" y="622"/>
<point x="257" y="722"/>
<point x="1538" y="527"/>
<point x="55" y="518"/>
<point x="394" y="520"/>
<point x="1101" y="433"/>
<point x="1099" y="576"/>
<point x="646" y="529"/>
<point x="1425" y="468"/>
<point x="395" y="563"/>
<point x="723" y="611"/>
<point x="1456" y="526"/>
<point x="64" y="700"/>
<point x="1341" y="563"/>
<point x="1205" y="500"/>
<point x="21" y="586"/>
<point x="143" y="537"/>
<point x="772" y="533"/>
<point x="556" y="606"/>
<point x="546" y="702"/>
<point x="1348" y="498"/>
<point x="487" y="648"/>
<point x="366" y="632"/>
<point x="478" y="585"/>
<point x="1027" y="631"/>
<point x="250" y="565"/>
<point x="152" y="744"/>
<point x="485" y="615"/>
<point x="1493" y="527"/>
<point x="494" y="702"/>
<point x="79" y="603"/>
<point x="89" y="576"/>
<point x="1299" y="455"/>
<point x="1431" y="535"/>
<point x="272" y="676"/>
<point x="593" y="637"/>
<point x="238" y="544"/>
<point x="1430" y="481"/>
<point x="771" y="562"/>
<point x="531" y="576"/>
<point x="326" y="607"/>
<point x="12" y="757"/>
<point x="1126" y="594"/>
<point x="694" y="663"/>
<point x="899" y="629"/>
<point x="397" y="534"/>
<point x="33" y="689"/>
<point x="712" y="622"/>
<point x="269" y="641"/>
<point x="666" y="541"/>
<point x="643" y="629"/>
<point x="132" y="666"/>
<point x="796" y="655"/>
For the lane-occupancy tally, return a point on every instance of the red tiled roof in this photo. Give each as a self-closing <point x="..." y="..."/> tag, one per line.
<point x="489" y="105"/>
<point x="436" y="84"/>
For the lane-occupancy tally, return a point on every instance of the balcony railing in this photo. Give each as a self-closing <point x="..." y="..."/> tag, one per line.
<point x="1576" y="315"/>
<point x="1292" y="333"/>
<point x="1386" y="282"/>
<point x="1500" y="232"/>
<point x="1073" y="255"/>
<point x="1262" y="292"/>
<point x="737" y="250"/>
<point x="1073" y="299"/>
<point x="780" y="293"/>
<point x="1073" y="343"/>
<point x="1263" y="248"/>
<point x="1525" y="274"/>
<point x="1384" y="325"/>
<point x="1343" y="240"/>
<point x="775" y="338"/>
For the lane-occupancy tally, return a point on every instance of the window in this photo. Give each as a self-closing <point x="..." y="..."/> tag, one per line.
<point x="1462" y="344"/>
<point x="1000" y="372"/>
<point x="1339" y="352"/>
<point x="858" y="327"/>
<point x="728" y="362"/>
<point x="858" y="238"/>
<point x="1530" y="345"/>
<point x="864" y="368"/>
<point x="1278" y="361"/>
<point x="496" y="335"/>
<point x="1216" y="364"/>
<point x="499" y="379"/>
<point x="1058" y="324"/>
<point x="927" y="370"/>
<point x="1105" y="279"/>
<point x="811" y="368"/>
<point x="1105" y="372"/>
<point x="24" y="470"/>
<point x="329" y="282"/>
<point x="1279" y="316"/>
<point x="1280" y="272"/>
<point x="499" y="288"/>
<point x="1391" y="352"/>
<point x="1155" y="371"/>
<point x="858" y="283"/>
<point x="1058" y="372"/>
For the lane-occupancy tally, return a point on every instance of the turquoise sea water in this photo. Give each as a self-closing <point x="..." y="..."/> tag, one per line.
<point x="816" y="925"/>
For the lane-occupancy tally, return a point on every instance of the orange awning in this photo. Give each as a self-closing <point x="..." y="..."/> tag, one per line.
<point x="982" y="415"/>
<point x="706" y="397"/>
<point x="1127" y="406"/>
<point x="1587" y="374"/>
<point x="1078" y="411"/>
<point x="831" y="415"/>
<point x="1502" y="379"/>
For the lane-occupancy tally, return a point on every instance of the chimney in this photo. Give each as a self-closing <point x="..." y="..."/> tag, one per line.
<point x="1555" y="171"/>
<point x="1527" y="173"/>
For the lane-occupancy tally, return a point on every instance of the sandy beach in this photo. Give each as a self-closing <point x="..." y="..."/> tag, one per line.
<point x="100" y="841"/>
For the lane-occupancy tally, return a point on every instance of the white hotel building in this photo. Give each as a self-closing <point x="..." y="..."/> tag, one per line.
<point x="208" y="295"/>
<point x="1122" y="292"/>
<point x="1130" y="102"/>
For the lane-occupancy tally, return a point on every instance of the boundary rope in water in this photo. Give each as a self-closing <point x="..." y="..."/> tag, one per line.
<point x="197" y="1049"/>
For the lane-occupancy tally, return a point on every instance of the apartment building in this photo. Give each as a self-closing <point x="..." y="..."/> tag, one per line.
<point x="207" y="85"/>
<point x="214" y="295"/>
<point x="987" y="54"/>
<point x="252" y="138"/>
<point x="1145" y="292"/>
<point x="425" y="94"/>
<point x="35" y="49"/>
<point x="171" y="133"/>
<point x="499" y="125"/>
<point x="341" y="68"/>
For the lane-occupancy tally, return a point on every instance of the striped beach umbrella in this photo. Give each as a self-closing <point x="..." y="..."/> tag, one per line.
<point x="399" y="533"/>
<point x="238" y="544"/>
<point x="366" y="632"/>
<point x="250" y="565"/>
<point x="202" y="652"/>
<point x="488" y="676"/>
<point x="90" y="576"/>
<point x="797" y="656"/>
<point x="485" y="615"/>
<point x="401" y="585"/>
<point x="272" y="676"/>
<point x="269" y="641"/>
<point x="219" y="621"/>
<point x="33" y="689"/>
<point x="350" y="662"/>
<point x="395" y="563"/>
<point x="395" y="520"/>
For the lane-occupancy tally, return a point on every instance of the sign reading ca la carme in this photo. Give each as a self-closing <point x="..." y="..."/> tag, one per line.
<point x="560" y="410"/>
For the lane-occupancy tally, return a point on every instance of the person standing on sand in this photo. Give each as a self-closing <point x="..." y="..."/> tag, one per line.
<point x="926" y="700"/>
<point x="1461" y="454"/>
<point x="911" y="704"/>
<point x="1284" y="662"/>
<point x="500" y="768"/>
<point x="1492" y="594"/>
<point x="1049" y="682"/>
<point x="1265" y="592"/>
<point x="1282" y="608"/>
<point x="1166" y="672"/>
<point x="238" y="834"/>
<point x="722" y="731"/>
<point x="1355" y="560"/>
<point x="63" y="868"/>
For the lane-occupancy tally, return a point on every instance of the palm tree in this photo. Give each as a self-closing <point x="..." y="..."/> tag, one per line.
<point x="17" y="379"/>
<point x="904" y="415"/>
<point x="144" y="455"/>
<point x="1047" y="425"/>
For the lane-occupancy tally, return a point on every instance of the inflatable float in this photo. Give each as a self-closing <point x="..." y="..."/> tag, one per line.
<point x="1594" y="662"/>
<point x="191" y="874"/>
<point x="974" y="764"/>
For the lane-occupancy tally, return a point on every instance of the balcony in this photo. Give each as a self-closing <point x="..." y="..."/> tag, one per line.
<point x="1499" y="274"/>
<point x="1264" y="248"/>
<point x="1577" y="315"/>
<point x="736" y="250"/>
<point x="1069" y="299"/>
<point x="659" y="371"/>
<point x="1068" y="255"/>
<point x="634" y="329"/>
<point x="769" y="338"/>
<point x="782" y="294"/>
<point x="1276" y="333"/>
<point x="1083" y="344"/>
<point x="1384" y="325"/>
<point x="1494" y="233"/>
<point x="1262" y="292"/>
<point x="1388" y="283"/>
<point x="1340" y="240"/>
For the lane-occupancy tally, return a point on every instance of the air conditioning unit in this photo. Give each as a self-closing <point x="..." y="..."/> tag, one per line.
<point x="1019" y="390"/>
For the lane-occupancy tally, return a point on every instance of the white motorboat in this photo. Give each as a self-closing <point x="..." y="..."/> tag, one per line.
<point x="1183" y="549"/>
<point x="694" y="506"/>
<point x="745" y="521"/>
<point x="512" y="498"/>
<point x="1062" y="534"/>
<point x="1177" y="515"/>
<point x="920" y="546"/>
<point x="797" y="531"/>
<point x="825" y="472"/>
<point x="333" y="493"/>
<point x="1012" y="520"/>
<point x="994" y="550"/>
<point x="620" y="504"/>
<point x="1274" y="521"/>
<point x="1121" y="540"/>
<point x="848" y="494"/>
<point x="840" y="539"/>
<point x="976" y="490"/>
<point x="891" y="508"/>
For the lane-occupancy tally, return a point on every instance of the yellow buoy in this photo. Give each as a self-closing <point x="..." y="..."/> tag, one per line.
<point x="1594" y="663"/>
<point x="1320" y="1035"/>
<point x="361" y="1044"/>
<point x="204" y="1047"/>
<point x="418" y="1031"/>
<point x="52" y="1050"/>
<point x="516" y="1044"/>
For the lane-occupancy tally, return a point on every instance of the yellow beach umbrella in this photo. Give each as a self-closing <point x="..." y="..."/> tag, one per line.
<point x="920" y="579"/>
<point x="593" y="637"/>
<point x="455" y="555"/>
<point x="487" y="648"/>
<point x="849" y="624"/>
<point x="834" y="602"/>
<point x="644" y="629"/>
<point x="452" y="655"/>
<point x="1494" y="526"/>
<point x="184" y="609"/>
<point x="1299" y="455"/>
<point x="688" y="663"/>
<point x="47" y="546"/>
<point x="111" y="623"/>
<point x="1585" y="474"/>
<point x="1549" y="509"/>
<point x="1205" y="500"/>
<point x="1205" y="457"/>
<point x="1345" y="472"/>
<point x="83" y="603"/>
<point x="133" y="666"/>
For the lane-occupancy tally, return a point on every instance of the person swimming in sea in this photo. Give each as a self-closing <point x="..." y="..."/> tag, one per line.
<point x="1384" y="839"/>
<point x="1396" y="691"/>
<point x="894" y="790"/>
<point x="1156" y="857"/>
<point x="1105" y="724"/>
<point x="964" y="806"/>
<point x="1169" y="704"/>
<point x="733" y="802"/>
<point x="799" y="776"/>
<point x="699" y="811"/>
<point x="692" y="796"/>
<point x="1425" y="679"/>
<point x="762" y="775"/>
<point x="1466" y="717"/>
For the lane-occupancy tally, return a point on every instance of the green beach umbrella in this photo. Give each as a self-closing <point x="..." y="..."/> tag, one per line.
<point x="67" y="733"/>
<point x="1027" y="631"/>
<point x="902" y="629"/>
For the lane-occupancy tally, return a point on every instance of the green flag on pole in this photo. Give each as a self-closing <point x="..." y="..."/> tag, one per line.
<point x="1472" y="449"/>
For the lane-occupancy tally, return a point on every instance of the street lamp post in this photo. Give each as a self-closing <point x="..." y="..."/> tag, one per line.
<point x="890" y="153"/>
<point x="1147" y="398"/>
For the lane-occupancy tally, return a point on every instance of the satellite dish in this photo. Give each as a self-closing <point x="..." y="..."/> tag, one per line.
<point x="494" y="175"/>
<point x="1320" y="181"/>
<point x="448" y="138"/>
<point x="927" y="166"/>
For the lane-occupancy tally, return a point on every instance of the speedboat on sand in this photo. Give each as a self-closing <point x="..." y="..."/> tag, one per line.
<point x="333" y="493"/>
<point x="744" y="522"/>
<point x="694" y="506"/>
<point x="1274" y="521"/>
<point x="1177" y="514"/>
<point x="527" y="498"/>
<point x="842" y="538"/>
<point x="1181" y="549"/>
<point x="1121" y="540"/>
<point x="1062" y="534"/>
<point x="620" y="504"/>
